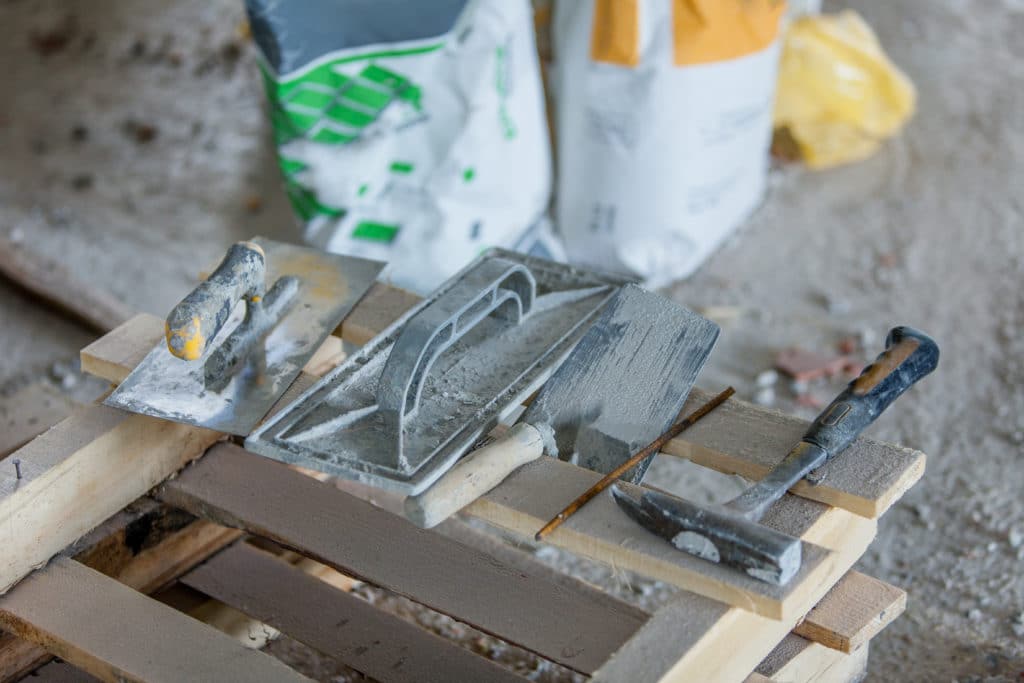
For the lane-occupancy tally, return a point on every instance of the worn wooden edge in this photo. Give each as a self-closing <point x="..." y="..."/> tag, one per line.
<point x="853" y="612"/>
<point x="117" y="634"/>
<point x="798" y="659"/>
<point x="704" y="629"/>
<point x="351" y="630"/>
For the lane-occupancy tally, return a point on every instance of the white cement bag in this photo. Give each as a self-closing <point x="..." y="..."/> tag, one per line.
<point x="410" y="131"/>
<point x="664" y="113"/>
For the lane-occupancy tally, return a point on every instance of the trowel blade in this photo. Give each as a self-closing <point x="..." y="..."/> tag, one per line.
<point x="173" y="389"/>
<point x="625" y="382"/>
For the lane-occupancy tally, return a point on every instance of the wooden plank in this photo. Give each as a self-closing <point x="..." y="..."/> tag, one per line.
<point x="117" y="634"/>
<point x="80" y="473"/>
<point x="796" y="659"/>
<point x="144" y="549"/>
<point x="853" y="612"/>
<point x="741" y="438"/>
<point x="29" y="412"/>
<point x="50" y="280"/>
<point x="380" y="307"/>
<point x="536" y="492"/>
<point x="704" y="629"/>
<point x="340" y="625"/>
<point x="264" y="497"/>
<point x="737" y="437"/>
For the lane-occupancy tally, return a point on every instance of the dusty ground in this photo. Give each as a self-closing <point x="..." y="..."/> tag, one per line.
<point x="133" y="146"/>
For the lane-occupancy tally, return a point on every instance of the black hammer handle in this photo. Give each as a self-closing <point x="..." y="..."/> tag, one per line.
<point x="909" y="355"/>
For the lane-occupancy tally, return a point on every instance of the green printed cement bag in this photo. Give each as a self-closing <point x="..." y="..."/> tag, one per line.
<point x="410" y="131"/>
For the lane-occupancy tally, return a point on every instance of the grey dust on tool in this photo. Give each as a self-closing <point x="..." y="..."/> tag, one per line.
<point x="622" y="385"/>
<point x="239" y="339"/>
<point x="730" y="533"/>
<point x="398" y="413"/>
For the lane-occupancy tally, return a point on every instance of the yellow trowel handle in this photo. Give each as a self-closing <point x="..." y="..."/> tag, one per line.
<point x="194" y="322"/>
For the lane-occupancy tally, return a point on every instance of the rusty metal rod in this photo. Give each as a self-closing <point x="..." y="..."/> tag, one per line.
<point x="610" y="478"/>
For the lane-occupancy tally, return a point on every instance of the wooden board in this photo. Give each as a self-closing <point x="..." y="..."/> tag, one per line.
<point x="704" y="629"/>
<point x="80" y="473"/>
<point x="741" y="438"/>
<point x="28" y="413"/>
<point x="265" y="497"/>
<point x="142" y="547"/>
<point x="117" y="634"/>
<point x="536" y="492"/>
<point x="853" y="612"/>
<point x="336" y="623"/>
<point x="797" y="660"/>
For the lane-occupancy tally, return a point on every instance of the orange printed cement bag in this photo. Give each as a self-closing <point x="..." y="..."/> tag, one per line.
<point x="664" y="119"/>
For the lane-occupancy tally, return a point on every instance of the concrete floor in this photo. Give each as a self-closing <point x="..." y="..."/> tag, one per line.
<point x="928" y="233"/>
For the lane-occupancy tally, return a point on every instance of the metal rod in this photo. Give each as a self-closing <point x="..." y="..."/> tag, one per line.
<point x="610" y="478"/>
<point x="17" y="467"/>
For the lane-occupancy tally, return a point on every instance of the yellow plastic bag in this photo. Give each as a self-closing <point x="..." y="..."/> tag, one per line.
<point x="838" y="94"/>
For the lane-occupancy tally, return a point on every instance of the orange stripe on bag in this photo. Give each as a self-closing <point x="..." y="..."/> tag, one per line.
<point x="616" y="32"/>
<point x="716" y="30"/>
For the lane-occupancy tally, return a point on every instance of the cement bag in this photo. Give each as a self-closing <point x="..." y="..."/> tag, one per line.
<point x="410" y="131"/>
<point x="664" y="119"/>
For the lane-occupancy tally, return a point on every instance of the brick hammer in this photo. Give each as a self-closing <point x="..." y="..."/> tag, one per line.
<point x="730" y="534"/>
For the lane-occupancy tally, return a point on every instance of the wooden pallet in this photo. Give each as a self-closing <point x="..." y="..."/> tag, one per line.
<point x="83" y="544"/>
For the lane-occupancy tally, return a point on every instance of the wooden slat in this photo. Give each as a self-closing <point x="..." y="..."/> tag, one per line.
<point x="80" y="473"/>
<point x="340" y="625"/>
<point x="536" y="492"/>
<point x="28" y="413"/>
<point x="380" y="307"/>
<point x="117" y="634"/>
<point x="798" y="659"/>
<point x="853" y="612"/>
<point x="264" y="497"/>
<point x="704" y="629"/>
<point x="143" y="549"/>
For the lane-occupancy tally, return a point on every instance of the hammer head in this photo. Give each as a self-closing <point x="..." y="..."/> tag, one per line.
<point x="717" y="534"/>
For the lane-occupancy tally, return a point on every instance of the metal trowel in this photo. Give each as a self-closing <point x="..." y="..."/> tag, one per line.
<point x="402" y="410"/>
<point x="622" y="386"/>
<point x="239" y="339"/>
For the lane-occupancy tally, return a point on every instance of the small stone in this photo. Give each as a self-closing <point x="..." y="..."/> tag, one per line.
<point x="805" y="365"/>
<point x="60" y="370"/>
<point x="974" y="614"/>
<point x="253" y="203"/>
<point x="1018" y="625"/>
<point x="765" y="397"/>
<point x="767" y="378"/>
<point x="867" y="337"/>
<point x="81" y="182"/>
<point x="847" y="345"/>
<point x="79" y="133"/>
<point x="1016" y="537"/>
<point x="69" y="381"/>
<point x="798" y="387"/>
<point x="809" y="401"/>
